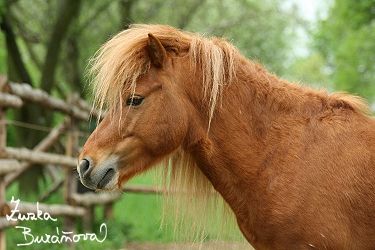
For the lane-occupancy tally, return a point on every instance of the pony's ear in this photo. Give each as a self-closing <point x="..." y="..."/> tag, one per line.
<point x="156" y="51"/>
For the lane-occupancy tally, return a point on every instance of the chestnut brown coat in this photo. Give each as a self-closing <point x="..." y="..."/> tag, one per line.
<point x="295" y="165"/>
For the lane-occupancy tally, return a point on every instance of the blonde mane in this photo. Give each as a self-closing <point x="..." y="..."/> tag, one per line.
<point x="116" y="68"/>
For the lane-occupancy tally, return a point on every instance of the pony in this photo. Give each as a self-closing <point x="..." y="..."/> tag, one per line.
<point x="295" y="165"/>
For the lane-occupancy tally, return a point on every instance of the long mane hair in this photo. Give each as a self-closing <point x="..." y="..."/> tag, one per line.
<point x="118" y="65"/>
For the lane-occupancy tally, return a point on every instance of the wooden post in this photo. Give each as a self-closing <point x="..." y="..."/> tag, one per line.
<point x="3" y="141"/>
<point x="108" y="211"/>
<point x="88" y="218"/>
<point x="70" y="183"/>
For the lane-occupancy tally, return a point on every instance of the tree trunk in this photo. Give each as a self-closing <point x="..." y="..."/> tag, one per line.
<point x="71" y="65"/>
<point x="70" y="10"/>
<point x="16" y="69"/>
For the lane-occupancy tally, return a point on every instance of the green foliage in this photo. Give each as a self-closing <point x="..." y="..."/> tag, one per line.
<point x="261" y="29"/>
<point x="309" y="70"/>
<point x="2" y="9"/>
<point x="346" y="39"/>
<point x="143" y="212"/>
<point x="3" y="54"/>
<point x="11" y="130"/>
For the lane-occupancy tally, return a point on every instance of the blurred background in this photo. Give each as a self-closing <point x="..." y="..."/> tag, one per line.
<point x="47" y="44"/>
<point x="329" y="44"/>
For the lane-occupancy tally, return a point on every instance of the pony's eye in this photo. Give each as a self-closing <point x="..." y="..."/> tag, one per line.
<point x="134" y="101"/>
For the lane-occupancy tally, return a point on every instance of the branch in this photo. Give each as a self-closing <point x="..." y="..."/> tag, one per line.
<point x="7" y="100"/>
<point x="44" y="99"/>
<point x="8" y="166"/>
<point x="24" y="154"/>
<point x="78" y="31"/>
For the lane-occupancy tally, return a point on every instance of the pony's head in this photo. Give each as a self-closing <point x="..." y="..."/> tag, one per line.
<point x="160" y="86"/>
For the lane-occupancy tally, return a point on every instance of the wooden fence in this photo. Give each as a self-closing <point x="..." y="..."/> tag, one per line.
<point x="15" y="161"/>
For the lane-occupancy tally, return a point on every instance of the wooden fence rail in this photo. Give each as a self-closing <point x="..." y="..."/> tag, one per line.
<point x="33" y="156"/>
<point x="42" y="146"/>
<point x="28" y="94"/>
<point x="10" y="101"/>
<point x="15" y="161"/>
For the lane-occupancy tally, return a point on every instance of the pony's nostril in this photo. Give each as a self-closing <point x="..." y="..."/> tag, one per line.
<point x="106" y="178"/>
<point x="84" y="167"/>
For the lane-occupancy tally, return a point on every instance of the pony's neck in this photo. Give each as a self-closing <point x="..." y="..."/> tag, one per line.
<point x="232" y="154"/>
<point x="257" y="120"/>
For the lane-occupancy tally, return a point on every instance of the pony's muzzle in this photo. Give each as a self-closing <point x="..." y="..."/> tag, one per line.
<point x="101" y="178"/>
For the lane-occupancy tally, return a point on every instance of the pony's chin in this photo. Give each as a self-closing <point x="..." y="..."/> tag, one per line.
<point x="109" y="186"/>
<point x="108" y="189"/>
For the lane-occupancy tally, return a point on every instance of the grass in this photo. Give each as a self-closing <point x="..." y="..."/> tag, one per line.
<point x="143" y="213"/>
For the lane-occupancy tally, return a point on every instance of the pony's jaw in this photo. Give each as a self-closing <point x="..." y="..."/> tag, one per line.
<point x="102" y="176"/>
